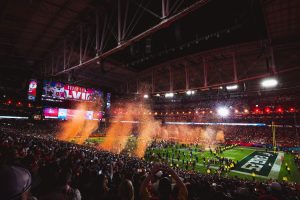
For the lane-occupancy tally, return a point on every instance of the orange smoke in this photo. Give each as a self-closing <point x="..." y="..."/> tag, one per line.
<point x="149" y="128"/>
<point x="88" y="128"/>
<point x="72" y="128"/>
<point x="220" y="136"/>
<point x="78" y="128"/>
<point x="119" y="132"/>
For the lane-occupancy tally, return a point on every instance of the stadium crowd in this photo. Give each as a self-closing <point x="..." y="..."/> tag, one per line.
<point x="52" y="169"/>
<point x="285" y="137"/>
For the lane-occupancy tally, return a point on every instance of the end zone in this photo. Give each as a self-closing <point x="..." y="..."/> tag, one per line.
<point x="263" y="164"/>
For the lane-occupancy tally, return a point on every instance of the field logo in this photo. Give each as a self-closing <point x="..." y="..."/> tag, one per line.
<point x="258" y="162"/>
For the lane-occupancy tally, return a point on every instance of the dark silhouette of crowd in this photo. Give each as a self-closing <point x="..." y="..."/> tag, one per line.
<point x="37" y="166"/>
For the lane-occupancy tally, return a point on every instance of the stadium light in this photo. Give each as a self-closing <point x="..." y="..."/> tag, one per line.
<point x="292" y="109"/>
<point x="190" y="92"/>
<point x="268" y="110"/>
<point x="223" y="111"/>
<point x="158" y="95"/>
<point x="169" y="95"/>
<point x="280" y="110"/>
<point x="146" y="96"/>
<point x="269" y="83"/>
<point x="232" y="87"/>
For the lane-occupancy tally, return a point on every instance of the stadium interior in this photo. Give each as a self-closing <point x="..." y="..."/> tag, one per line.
<point x="149" y="99"/>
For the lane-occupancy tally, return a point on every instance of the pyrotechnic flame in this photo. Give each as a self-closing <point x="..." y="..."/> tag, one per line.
<point x="78" y="128"/>
<point x="118" y="132"/>
<point x="149" y="128"/>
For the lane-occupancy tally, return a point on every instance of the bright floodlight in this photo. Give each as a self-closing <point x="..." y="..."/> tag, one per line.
<point x="223" y="111"/>
<point x="232" y="87"/>
<point x="146" y="96"/>
<point x="169" y="95"/>
<point x="190" y="92"/>
<point x="269" y="83"/>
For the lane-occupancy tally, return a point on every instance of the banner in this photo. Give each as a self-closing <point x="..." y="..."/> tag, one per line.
<point x="32" y="90"/>
<point x="57" y="90"/>
<point x="51" y="113"/>
<point x="67" y="114"/>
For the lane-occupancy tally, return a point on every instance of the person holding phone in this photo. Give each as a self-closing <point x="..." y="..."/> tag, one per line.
<point x="164" y="186"/>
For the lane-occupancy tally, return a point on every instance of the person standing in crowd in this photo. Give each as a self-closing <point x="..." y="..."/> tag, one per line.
<point x="164" y="190"/>
<point x="15" y="183"/>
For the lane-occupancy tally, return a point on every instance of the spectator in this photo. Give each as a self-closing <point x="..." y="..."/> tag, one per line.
<point x="15" y="183"/>
<point x="164" y="186"/>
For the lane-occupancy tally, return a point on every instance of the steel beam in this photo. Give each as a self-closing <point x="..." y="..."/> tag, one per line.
<point x="235" y="78"/>
<point x="187" y="76"/>
<point x="204" y="72"/>
<point x="125" y="21"/>
<point x="171" y="78"/>
<point x="97" y="33"/>
<point x="64" y="54"/>
<point x="152" y="82"/>
<point x="80" y="50"/>
<point x="165" y="8"/>
<point x="119" y="22"/>
<point x="165" y="23"/>
<point x="273" y="66"/>
<point x="241" y="80"/>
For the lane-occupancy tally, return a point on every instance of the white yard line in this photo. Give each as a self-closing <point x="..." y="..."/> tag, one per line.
<point x="248" y="174"/>
<point x="274" y="173"/>
<point x="239" y="172"/>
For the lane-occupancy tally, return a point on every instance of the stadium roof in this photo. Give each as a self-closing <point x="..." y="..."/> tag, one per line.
<point x="41" y="38"/>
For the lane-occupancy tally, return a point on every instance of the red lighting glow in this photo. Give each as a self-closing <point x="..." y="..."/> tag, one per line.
<point x="280" y="110"/>
<point x="257" y="110"/>
<point x="292" y="109"/>
<point x="267" y="110"/>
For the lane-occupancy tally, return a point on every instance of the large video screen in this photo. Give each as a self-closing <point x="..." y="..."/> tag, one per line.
<point x="68" y="114"/>
<point x="61" y="91"/>
<point x="32" y="90"/>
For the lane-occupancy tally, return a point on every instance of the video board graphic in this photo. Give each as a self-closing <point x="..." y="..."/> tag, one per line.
<point x="31" y="93"/>
<point x="61" y="91"/>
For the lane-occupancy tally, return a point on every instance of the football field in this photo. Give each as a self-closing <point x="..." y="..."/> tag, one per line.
<point x="251" y="162"/>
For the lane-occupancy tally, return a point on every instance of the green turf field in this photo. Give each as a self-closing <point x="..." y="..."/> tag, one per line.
<point x="247" y="157"/>
<point x="95" y="140"/>
<point x="265" y="165"/>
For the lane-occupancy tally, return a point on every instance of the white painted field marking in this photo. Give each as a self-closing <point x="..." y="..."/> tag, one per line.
<point x="274" y="173"/>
